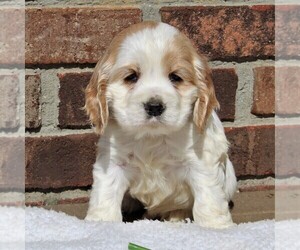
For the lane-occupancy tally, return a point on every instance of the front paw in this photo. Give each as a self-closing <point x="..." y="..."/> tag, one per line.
<point x="217" y="223"/>
<point x="100" y="214"/>
<point x="219" y="220"/>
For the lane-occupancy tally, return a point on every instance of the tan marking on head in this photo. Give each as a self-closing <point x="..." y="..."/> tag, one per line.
<point x="119" y="39"/>
<point x="95" y="93"/>
<point x="121" y="73"/>
<point x="181" y="58"/>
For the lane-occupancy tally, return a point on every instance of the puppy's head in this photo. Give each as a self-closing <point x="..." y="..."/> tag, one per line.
<point x="151" y="81"/>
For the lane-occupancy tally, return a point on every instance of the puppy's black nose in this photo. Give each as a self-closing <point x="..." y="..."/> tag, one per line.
<point x="154" y="107"/>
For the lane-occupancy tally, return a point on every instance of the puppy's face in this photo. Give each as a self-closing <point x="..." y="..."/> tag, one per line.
<point x="150" y="81"/>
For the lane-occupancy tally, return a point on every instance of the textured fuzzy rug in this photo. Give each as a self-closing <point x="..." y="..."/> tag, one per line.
<point x="43" y="229"/>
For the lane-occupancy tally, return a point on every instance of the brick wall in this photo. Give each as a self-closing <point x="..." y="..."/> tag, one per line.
<point x="64" y="42"/>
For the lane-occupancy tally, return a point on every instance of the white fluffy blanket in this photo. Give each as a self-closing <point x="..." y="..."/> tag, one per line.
<point x="43" y="229"/>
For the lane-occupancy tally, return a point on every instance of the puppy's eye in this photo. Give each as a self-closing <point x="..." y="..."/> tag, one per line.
<point x="132" y="78"/>
<point x="175" y="78"/>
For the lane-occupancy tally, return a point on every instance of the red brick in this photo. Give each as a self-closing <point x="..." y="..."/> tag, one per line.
<point x="73" y="200"/>
<point x="59" y="201"/>
<point x="226" y="33"/>
<point x="264" y="91"/>
<point x="12" y="163"/>
<point x="225" y="82"/>
<point x="12" y="35"/>
<point x="287" y="31"/>
<point x="32" y="101"/>
<point x="9" y="112"/>
<point x="287" y="150"/>
<point x="73" y="35"/>
<point x="252" y="150"/>
<point x="35" y="203"/>
<point x="71" y="95"/>
<point x="287" y="90"/>
<point x="60" y="161"/>
<point x="12" y="203"/>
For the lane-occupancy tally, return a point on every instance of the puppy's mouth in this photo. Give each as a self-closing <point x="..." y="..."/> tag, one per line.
<point x="154" y="121"/>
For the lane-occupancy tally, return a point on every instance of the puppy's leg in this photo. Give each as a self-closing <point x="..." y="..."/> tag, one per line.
<point x="107" y="194"/>
<point x="210" y="207"/>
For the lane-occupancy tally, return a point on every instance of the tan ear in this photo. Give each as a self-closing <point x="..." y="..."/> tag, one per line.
<point x="95" y="96"/>
<point x="206" y="101"/>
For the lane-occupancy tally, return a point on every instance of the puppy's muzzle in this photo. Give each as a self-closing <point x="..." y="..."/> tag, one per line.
<point x="154" y="107"/>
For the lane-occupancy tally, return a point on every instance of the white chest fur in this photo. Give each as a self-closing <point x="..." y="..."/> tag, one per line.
<point x="156" y="168"/>
<point x="158" y="174"/>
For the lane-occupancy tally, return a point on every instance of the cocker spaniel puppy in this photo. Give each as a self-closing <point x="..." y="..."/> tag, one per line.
<point x="152" y="99"/>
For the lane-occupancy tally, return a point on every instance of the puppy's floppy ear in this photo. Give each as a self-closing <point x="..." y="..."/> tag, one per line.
<point x="95" y="96"/>
<point x="206" y="101"/>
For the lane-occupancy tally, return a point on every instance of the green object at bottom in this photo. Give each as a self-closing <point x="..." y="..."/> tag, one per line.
<point x="132" y="246"/>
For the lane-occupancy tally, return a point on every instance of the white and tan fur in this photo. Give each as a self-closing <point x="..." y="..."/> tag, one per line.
<point x="175" y="164"/>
